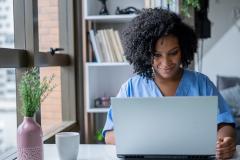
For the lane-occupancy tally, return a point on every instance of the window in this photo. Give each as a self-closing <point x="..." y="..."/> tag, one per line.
<point x="3" y="17"/>
<point x="7" y="8"/>
<point x="55" y="111"/>
<point x="48" y="27"/>
<point x="9" y="38"/>
<point x="8" y="118"/>
<point x="29" y="38"/>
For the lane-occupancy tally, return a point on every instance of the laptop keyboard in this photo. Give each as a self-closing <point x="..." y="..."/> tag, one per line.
<point x="169" y="157"/>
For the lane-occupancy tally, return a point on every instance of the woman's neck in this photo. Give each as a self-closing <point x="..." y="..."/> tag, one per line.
<point x="160" y="80"/>
<point x="168" y="87"/>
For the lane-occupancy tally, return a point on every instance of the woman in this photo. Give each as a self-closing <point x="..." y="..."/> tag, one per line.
<point x="160" y="46"/>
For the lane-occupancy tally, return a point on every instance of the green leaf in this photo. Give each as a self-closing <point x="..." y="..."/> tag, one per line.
<point x="32" y="91"/>
<point x="99" y="136"/>
<point x="187" y="4"/>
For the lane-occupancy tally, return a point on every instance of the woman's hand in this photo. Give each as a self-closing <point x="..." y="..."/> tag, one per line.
<point x="225" y="148"/>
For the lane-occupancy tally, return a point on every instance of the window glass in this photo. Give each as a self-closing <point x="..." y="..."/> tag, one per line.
<point x="48" y="25"/>
<point x="6" y="24"/>
<point x="8" y="116"/>
<point x="51" y="110"/>
<point x="48" y="21"/>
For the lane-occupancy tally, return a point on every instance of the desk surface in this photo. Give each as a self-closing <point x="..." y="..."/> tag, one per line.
<point x="86" y="152"/>
<point x="94" y="152"/>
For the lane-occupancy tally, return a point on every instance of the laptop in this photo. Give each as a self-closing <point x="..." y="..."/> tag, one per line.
<point x="165" y="128"/>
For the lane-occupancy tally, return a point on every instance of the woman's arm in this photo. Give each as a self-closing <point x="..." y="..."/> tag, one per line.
<point x="226" y="143"/>
<point x="109" y="137"/>
<point x="226" y="130"/>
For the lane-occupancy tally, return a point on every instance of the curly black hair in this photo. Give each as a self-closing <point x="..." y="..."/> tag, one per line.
<point x="141" y="34"/>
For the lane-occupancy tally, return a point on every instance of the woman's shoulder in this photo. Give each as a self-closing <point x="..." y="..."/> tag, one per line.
<point x="198" y="83"/>
<point x="133" y="86"/>
<point x="196" y="75"/>
<point x="136" y="79"/>
<point x="197" y="78"/>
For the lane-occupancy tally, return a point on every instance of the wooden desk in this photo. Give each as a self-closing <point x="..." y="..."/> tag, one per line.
<point x="94" y="152"/>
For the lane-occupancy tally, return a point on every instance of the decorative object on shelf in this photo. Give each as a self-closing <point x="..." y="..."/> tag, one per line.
<point x="99" y="137"/>
<point x="29" y="133"/>
<point x="128" y="10"/>
<point x="103" y="10"/>
<point x="102" y="102"/>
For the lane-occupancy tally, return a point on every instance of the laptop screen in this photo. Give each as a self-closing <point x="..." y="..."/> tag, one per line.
<point x="165" y="126"/>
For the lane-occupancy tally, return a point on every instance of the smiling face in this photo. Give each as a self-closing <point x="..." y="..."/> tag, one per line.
<point x="167" y="58"/>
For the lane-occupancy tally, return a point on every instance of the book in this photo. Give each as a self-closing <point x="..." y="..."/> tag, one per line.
<point x="147" y="3"/>
<point x="115" y="46"/>
<point x="95" y="46"/>
<point x="172" y="5"/>
<point x="101" y="46"/>
<point x="90" y="48"/>
<point x="109" y="45"/>
<point x="120" y="44"/>
<point x="104" y="46"/>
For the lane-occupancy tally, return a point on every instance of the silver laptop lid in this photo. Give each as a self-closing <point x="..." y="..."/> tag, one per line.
<point x="165" y="126"/>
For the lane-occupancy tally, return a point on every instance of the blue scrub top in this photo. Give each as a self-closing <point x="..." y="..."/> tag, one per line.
<point x="191" y="84"/>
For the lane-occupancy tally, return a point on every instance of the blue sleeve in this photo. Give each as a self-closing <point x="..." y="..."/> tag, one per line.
<point x="109" y="121"/>
<point x="224" y="112"/>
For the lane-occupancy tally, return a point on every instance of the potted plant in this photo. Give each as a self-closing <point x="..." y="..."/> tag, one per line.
<point x="32" y="92"/>
<point x="187" y="4"/>
<point x="99" y="137"/>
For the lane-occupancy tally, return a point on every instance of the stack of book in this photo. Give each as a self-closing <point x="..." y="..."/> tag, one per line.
<point x="107" y="45"/>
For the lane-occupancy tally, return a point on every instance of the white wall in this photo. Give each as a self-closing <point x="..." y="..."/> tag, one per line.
<point x="222" y="50"/>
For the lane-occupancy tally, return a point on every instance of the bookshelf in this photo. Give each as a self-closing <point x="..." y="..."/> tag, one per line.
<point x="103" y="77"/>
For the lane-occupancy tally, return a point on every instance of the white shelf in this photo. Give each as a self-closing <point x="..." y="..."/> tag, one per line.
<point x="97" y="110"/>
<point x="107" y="64"/>
<point x="92" y="7"/>
<point x="111" y="18"/>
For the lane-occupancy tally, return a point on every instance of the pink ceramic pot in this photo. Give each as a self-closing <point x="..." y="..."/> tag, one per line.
<point x="29" y="140"/>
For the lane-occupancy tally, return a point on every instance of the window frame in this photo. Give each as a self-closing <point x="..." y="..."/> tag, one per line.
<point x="26" y="54"/>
